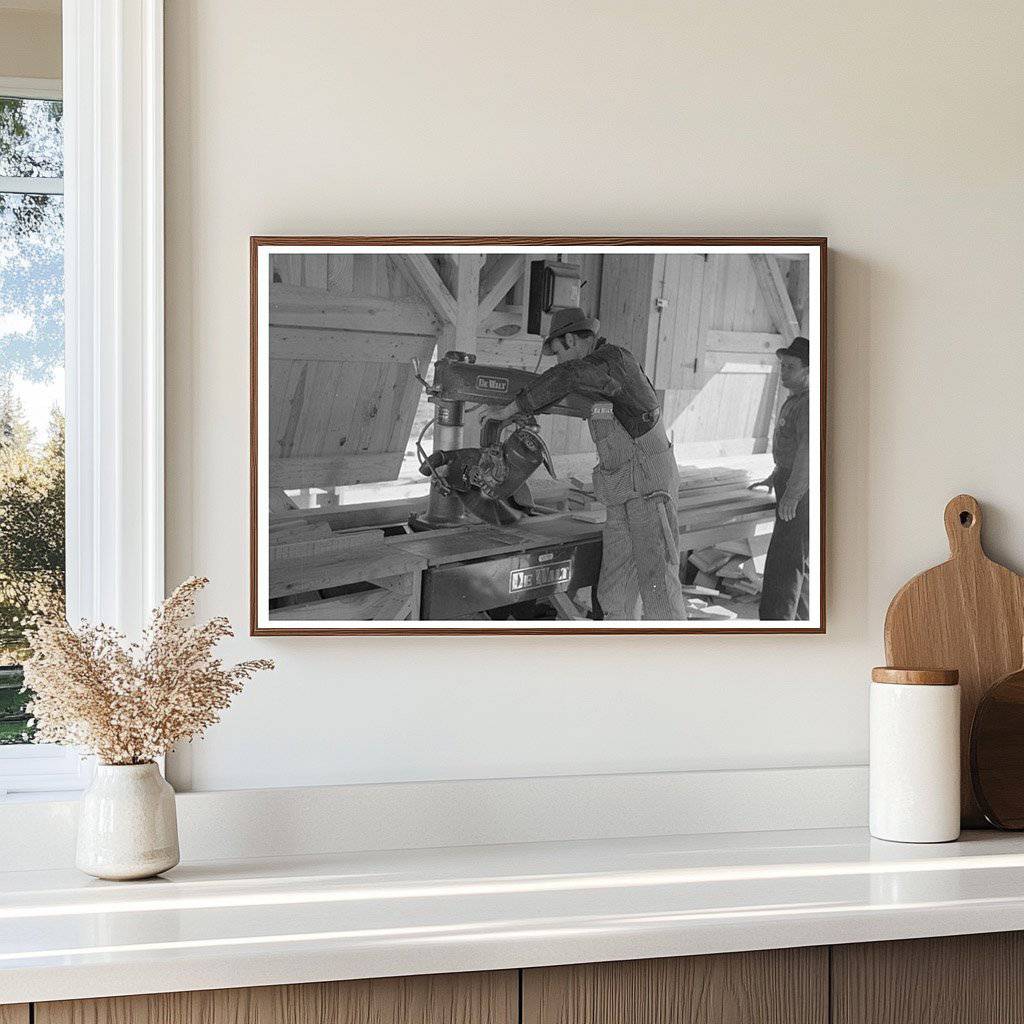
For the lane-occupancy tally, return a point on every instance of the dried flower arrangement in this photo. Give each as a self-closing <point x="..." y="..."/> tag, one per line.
<point x="129" y="703"/>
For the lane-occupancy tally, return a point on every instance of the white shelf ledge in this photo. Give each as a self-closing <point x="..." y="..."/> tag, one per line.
<point x="296" y="919"/>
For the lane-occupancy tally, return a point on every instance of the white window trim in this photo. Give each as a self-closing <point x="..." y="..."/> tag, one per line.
<point x="31" y="88"/>
<point x="114" y="327"/>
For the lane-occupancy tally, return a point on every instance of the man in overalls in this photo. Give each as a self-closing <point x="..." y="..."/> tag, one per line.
<point x="784" y="593"/>
<point x="636" y="476"/>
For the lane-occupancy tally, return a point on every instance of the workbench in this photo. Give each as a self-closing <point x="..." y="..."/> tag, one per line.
<point x="461" y="572"/>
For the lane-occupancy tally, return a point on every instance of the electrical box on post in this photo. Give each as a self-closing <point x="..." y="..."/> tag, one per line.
<point x="553" y="285"/>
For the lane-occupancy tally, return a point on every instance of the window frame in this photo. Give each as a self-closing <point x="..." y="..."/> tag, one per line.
<point x="112" y="90"/>
<point x="32" y="768"/>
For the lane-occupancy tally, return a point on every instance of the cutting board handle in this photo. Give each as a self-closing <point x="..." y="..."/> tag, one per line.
<point x="963" y="527"/>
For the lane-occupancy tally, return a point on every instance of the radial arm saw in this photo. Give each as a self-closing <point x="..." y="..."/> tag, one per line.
<point x="489" y="481"/>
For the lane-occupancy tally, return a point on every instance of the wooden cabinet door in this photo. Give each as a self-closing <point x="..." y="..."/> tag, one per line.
<point x="478" y="998"/>
<point x="14" y="1013"/>
<point x="961" y="979"/>
<point x="780" y="986"/>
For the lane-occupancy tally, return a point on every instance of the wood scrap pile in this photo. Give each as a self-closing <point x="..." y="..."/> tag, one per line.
<point x="734" y="567"/>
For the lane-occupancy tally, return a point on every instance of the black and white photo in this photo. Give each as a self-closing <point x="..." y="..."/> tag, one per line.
<point x="537" y="435"/>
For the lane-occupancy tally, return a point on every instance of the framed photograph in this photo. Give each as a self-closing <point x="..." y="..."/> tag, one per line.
<point x="537" y="435"/>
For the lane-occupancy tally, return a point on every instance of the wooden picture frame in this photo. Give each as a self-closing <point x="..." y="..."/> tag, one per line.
<point x="391" y="300"/>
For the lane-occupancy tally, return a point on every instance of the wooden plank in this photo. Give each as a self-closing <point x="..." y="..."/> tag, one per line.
<point x="960" y="979"/>
<point x="325" y="547"/>
<point x="364" y="277"/>
<point x="627" y="302"/>
<point x="370" y="406"/>
<point x="775" y="295"/>
<point x="714" y="271"/>
<point x="409" y="391"/>
<point x="420" y="271"/>
<point x="289" y="533"/>
<point x="369" y="513"/>
<point x="592" y="269"/>
<point x="342" y="429"/>
<point x="472" y="998"/>
<point x="334" y="470"/>
<point x="340" y="267"/>
<point x="285" y="440"/>
<point x="354" y="567"/>
<point x="517" y="352"/>
<point x="292" y="306"/>
<point x="376" y="604"/>
<point x="742" y="527"/>
<point x="507" y="269"/>
<point x="322" y="387"/>
<point x="286" y="268"/>
<point x="743" y="341"/>
<point x="390" y="412"/>
<point x="314" y="271"/>
<point x="798" y="283"/>
<point x="348" y="346"/>
<point x="475" y="542"/>
<point x="14" y="1013"/>
<point x="777" y="986"/>
<point x="688" y="297"/>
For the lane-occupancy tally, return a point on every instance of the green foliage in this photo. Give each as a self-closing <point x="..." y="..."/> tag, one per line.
<point x="14" y="720"/>
<point x="31" y="525"/>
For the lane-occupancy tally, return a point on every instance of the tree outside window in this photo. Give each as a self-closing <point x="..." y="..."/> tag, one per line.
<point x="31" y="385"/>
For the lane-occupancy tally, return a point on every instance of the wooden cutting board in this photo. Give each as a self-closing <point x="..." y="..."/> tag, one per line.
<point x="967" y="614"/>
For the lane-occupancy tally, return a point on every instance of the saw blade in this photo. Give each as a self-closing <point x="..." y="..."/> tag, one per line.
<point x="496" y="513"/>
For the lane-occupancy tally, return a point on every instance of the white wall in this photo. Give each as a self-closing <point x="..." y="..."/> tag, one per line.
<point x="895" y="129"/>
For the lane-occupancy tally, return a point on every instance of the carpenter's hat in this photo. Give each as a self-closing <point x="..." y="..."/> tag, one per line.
<point x="571" y="319"/>
<point x="799" y="347"/>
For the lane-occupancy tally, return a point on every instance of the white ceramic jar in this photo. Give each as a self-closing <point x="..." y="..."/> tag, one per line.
<point x="915" y="755"/>
<point x="127" y="824"/>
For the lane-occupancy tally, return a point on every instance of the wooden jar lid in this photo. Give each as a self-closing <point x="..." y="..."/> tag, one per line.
<point x="916" y="676"/>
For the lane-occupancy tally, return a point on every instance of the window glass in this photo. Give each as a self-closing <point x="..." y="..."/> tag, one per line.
<point x="31" y="138"/>
<point x="31" y="386"/>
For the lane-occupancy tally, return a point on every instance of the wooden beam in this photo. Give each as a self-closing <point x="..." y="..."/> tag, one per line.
<point x="348" y="346"/>
<point x="297" y="306"/>
<point x="467" y="292"/>
<point x="334" y="470"/>
<point x="776" y="297"/>
<point x="420" y="271"/>
<point x="499" y="281"/>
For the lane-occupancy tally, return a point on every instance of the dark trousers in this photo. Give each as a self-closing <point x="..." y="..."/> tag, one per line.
<point x="784" y="592"/>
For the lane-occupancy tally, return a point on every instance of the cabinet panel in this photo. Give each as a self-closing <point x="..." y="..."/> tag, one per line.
<point x="962" y="979"/>
<point x="780" y="986"/>
<point x="477" y="998"/>
<point x="14" y="1013"/>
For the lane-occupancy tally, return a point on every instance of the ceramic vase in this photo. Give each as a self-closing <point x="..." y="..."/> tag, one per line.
<point x="127" y="826"/>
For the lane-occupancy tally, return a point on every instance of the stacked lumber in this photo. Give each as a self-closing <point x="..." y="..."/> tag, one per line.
<point x="694" y="482"/>
<point x="734" y="567"/>
<point x="302" y="540"/>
